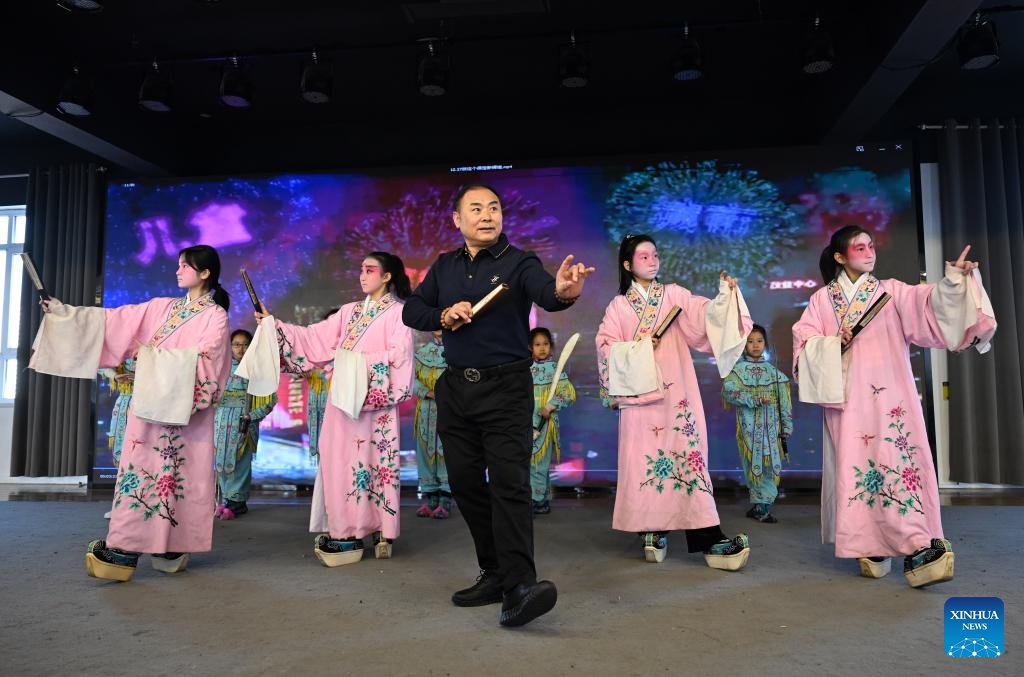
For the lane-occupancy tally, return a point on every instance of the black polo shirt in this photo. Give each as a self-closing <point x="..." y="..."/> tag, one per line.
<point x="500" y="333"/>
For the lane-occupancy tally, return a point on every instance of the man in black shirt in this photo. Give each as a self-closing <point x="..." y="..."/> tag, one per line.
<point x="485" y="397"/>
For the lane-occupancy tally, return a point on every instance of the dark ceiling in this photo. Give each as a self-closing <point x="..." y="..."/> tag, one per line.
<point x="896" y="67"/>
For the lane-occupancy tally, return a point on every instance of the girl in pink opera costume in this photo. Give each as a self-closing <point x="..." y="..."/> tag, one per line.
<point x="663" y="452"/>
<point x="165" y="487"/>
<point x="879" y="496"/>
<point x="372" y="351"/>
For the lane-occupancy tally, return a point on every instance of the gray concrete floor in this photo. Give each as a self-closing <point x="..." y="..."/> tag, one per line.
<point x="260" y="603"/>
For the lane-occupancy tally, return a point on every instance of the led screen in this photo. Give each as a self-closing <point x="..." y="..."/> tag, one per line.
<point x="762" y="215"/>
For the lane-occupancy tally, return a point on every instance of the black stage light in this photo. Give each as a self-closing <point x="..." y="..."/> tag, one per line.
<point x="81" y="5"/>
<point x="688" y="62"/>
<point x="573" y="65"/>
<point x="819" y="56"/>
<point x="235" y="86"/>
<point x="433" y="73"/>
<point x="317" y="81"/>
<point x="155" y="92"/>
<point x="75" y="96"/>
<point x="978" y="47"/>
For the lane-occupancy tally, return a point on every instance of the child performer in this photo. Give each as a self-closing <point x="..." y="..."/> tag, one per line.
<point x="236" y="433"/>
<point x="663" y="479"/>
<point x="165" y="481"/>
<point x="764" y="419"/>
<point x="545" y="416"/>
<point x="879" y="495"/>
<point x="372" y="351"/>
<point x="122" y="380"/>
<point x="433" y="475"/>
<point x="319" y="382"/>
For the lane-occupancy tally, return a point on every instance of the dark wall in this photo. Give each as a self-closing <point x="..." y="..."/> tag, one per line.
<point x="13" y="191"/>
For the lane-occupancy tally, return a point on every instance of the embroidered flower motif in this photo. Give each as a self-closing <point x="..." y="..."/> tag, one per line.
<point x="383" y="445"/>
<point x="166" y="486"/>
<point x="380" y="368"/>
<point x="684" y="470"/>
<point x="384" y="419"/>
<point x="376" y="398"/>
<point x="873" y="481"/>
<point x="663" y="467"/>
<point x="887" y="482"/>
<point x="695" y="461"/>
<point x="129" y="482"/>
<point x="910" y="479"/>
<point x="369" y="483"/>
<point x="385" y="475"/>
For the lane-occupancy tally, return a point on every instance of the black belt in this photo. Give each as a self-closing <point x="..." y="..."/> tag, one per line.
<point x="475" y="375"/>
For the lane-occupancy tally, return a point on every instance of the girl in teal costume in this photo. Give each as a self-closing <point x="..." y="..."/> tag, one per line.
<point x="764" y="418"/>
<point x="236" y="432"/>
<point x="124" y="382"/>
<point x="545" y="417"/>
<point x="431" y="470"/>
<point x="318" y="385"/>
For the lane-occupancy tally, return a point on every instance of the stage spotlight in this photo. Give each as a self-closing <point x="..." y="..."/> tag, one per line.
<point x="317" y="81"/>
<point x="433" y="73"/>
<point x="819" y="56"/>
<point x="573" y="65"/>
<point x="75" y="96"/>
<point x="688" y="62"/>
<point x="235" y="86"/>
<point x="155" y="93"/>
<point x="81" y="5"/>
<point x="978" y="46"/>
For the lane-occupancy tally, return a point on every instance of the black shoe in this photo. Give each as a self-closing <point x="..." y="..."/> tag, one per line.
<point x="237" y="507"/>
<point x="486" y="590"/>
<point x="525" y="602"/>
<point x="123" y="558"/>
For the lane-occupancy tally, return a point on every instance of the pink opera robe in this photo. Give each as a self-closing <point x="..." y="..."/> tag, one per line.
<point x="359" y="459"/>
<point x="166" y="487"/>
<point x="663" y="483"/>
<point x="880" y="492"/>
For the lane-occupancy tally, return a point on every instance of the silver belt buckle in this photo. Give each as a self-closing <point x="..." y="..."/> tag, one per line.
<point x="472" y="375"/>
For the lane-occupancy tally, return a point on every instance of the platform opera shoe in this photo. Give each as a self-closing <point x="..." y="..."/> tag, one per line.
<point x="333" y="552"/>
<point x="170" y="562"/>
<point x="931" y="564"/>
<point x="108" y="563"/>
<point x="875" y="567"/>
<point x="730" y="554"/>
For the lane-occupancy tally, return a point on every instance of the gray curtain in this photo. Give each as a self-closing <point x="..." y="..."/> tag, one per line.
<point x="53" y="434"/>
<point x="982" y="194"/>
